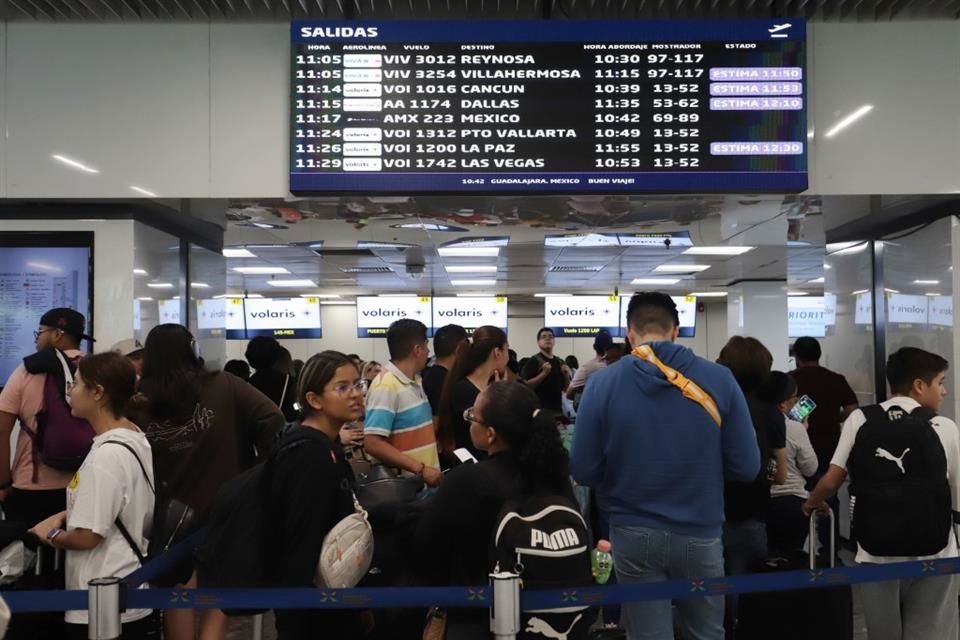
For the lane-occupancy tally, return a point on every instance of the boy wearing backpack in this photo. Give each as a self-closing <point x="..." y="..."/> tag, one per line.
<point x="904" y="464"/>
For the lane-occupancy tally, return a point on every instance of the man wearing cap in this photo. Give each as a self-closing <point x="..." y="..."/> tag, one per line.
<point x="608" y="352"/>
<point x="132" y="350"/>
<point x="32" y="494"/>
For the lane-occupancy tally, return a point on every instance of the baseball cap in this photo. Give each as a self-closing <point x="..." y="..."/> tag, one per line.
<point x="69" y="321"/>
<point x="603" y="341"/>
<point x="127" y="347"/>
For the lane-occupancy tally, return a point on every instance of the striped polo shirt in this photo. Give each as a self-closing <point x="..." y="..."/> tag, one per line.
<point x="398" y="410"/>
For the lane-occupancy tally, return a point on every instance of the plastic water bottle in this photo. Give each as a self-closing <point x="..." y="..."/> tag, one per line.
<point x="601" y="562"/>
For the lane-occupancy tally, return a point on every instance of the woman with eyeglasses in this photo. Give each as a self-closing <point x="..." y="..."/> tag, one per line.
<point x="478" y="362"/>
<point x="524" y="457"/>
<point x="313" y="490"/>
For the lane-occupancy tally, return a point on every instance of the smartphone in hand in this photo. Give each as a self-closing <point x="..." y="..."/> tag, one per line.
<point x="802" y="410"/>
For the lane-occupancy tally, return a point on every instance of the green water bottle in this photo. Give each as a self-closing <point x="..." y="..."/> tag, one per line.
<point x="601" y="561"/>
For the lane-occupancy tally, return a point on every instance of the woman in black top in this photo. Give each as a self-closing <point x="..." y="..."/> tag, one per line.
<point x="478" y="363"/>
<point x="313" y="490"/>
<point x="525" y="456"/>
<point x="274" y="374"/>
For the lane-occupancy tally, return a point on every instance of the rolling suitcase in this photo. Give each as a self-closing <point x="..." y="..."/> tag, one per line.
<point x="802" y="614"/>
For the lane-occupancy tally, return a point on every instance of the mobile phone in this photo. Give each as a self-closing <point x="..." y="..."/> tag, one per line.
<point x="804" y="407"/>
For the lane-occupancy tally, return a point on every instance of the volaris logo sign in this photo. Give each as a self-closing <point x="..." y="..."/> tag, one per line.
<point x="282" y="318"/>
<point x="581" y="316"/>
<point x="375" y="314"/>
<point x="470" y="313"/>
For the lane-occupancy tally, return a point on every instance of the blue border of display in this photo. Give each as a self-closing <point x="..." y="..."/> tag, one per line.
<point x="600" y="31"/>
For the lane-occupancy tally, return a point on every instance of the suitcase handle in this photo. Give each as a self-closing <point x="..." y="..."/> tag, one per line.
<point x="814" y="538"/>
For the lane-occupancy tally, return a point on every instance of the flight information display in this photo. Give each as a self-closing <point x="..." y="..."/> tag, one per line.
<point x="548" y="106"/>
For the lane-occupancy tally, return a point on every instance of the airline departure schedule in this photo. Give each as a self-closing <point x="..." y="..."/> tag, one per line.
<point x="548" y="106"/>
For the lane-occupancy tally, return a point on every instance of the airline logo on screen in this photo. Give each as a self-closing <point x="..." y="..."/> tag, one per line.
<point x="339" y="32"/>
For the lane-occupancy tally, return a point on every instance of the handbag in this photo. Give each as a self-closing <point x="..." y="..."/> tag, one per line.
<point x="347" y="551"/>
<point x="436" y="627"/>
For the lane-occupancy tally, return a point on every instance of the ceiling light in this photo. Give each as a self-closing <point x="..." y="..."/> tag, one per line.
<point x="655" y="281"/>
<point x="237" y="253"/>
<point x="468" y="252"/>
<point x="160" y="285"/>
<point x="827" y="267"/>
<point x="328" y="303"/>
<point x="140" y="272"/>
<point x="819" y="280"/>
<point x="480" y="268"/>
<point x="718" y="251"/>
<point x="473" y="295"/>
<point x="473" y="283"/>
<point x="682" y="268"/>
<point x="199" y="285"/>
<point x="926" y="282"/>
<point x="709" y="294"/>
<point x="546" y="295"/>
<point x="260" y="271"/>
<point x="810" y="135"/>
<point x="796" y="294"/>
<point x="238" y="296"/>
<point x="860" y="292"/>
<point x="933" y="295"/>
<point x="142" y="191"/>
<point x="849" y="120"/>
<point x="145" y="299"/>
<point x="291" y="283"/>
<point x="397" y="295"/>
<point x="891" y="290"/>
<point x="70" y="162"/>
<point x="319" y="295"/>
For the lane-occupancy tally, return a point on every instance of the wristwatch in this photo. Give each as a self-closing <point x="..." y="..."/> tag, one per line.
<point x="53" y="534"/>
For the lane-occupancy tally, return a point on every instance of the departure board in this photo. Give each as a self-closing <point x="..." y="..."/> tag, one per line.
<point x="548" y="106"/>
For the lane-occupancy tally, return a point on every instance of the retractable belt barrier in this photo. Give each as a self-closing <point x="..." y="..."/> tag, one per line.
<point x="478" y="596"/>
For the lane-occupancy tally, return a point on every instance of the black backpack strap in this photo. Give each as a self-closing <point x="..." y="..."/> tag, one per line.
<point x="120" y="526"/>
<point x="874" y="413"/>
<point x="924" y="413"/>
<point x="146" y="476"/>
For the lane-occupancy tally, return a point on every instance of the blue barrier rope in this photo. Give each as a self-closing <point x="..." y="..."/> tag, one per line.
<point x="479" y="597"/>
<point x="165" y="561"/>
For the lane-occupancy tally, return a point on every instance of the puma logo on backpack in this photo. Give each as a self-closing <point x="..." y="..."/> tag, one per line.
<point x="545" y="539"/>
<point x="893" y="498"/>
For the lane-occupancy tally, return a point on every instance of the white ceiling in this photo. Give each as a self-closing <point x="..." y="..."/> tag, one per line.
<point x="525" y="266"/>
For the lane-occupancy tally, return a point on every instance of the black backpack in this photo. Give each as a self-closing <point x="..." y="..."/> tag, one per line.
<point x="545" y="540"/>
<point x="898" y="471"/>
<point x="237" y="549"/>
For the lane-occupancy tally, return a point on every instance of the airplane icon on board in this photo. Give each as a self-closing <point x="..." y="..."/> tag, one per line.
<point x="776" y="30"/>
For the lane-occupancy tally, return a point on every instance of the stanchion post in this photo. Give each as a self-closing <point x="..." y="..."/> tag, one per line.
<point x="103" y="609"/>
<point x="505" y="605"/>
<point x="258" y="627"/>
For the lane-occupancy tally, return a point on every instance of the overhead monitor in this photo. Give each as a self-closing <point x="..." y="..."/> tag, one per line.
<point x="39" y="272"/>
<point x="686" y="310"/>
<point x="470" y="312"/>
<point x="281" y="318"/>
<point x="375" y="314"/>
<point x="581" y="316"/>
<point x="806" y="316"/>
<point x="565" y="106"/>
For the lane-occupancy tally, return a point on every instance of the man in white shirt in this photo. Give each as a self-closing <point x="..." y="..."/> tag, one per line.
<point x="906" y="609"/>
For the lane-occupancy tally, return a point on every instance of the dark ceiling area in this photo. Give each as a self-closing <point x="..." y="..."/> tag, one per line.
<point x="282" y="10"/>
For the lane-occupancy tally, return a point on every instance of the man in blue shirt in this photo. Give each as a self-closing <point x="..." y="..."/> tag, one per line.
<point x="658" y="461"/>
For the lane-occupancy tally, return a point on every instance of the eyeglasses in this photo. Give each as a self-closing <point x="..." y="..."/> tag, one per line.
<point x="37" y="334"/>
<point x="470" y="416"/>
<point x="344" y="388"/>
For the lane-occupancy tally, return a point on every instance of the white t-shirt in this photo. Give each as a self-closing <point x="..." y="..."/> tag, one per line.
<point x="109" y="483"/>
<point x="949" y="437"/>
<point x="801" y="463"/>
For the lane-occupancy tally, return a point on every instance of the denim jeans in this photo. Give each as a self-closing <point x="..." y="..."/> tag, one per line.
<point x="642" y="555"/>
<point x="744" y="551"/>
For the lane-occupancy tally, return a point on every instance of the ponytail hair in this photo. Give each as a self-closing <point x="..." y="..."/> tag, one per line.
<point x="513" y="410"/>
<point x="469" y="356"/>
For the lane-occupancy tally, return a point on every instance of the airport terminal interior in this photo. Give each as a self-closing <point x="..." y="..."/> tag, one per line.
<point x="305" y="173"/>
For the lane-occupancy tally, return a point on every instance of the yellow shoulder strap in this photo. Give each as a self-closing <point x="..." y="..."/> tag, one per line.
<point x="690" y="389"/>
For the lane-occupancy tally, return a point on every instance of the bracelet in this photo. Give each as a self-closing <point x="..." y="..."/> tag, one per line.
<point x="53" y="535"/>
